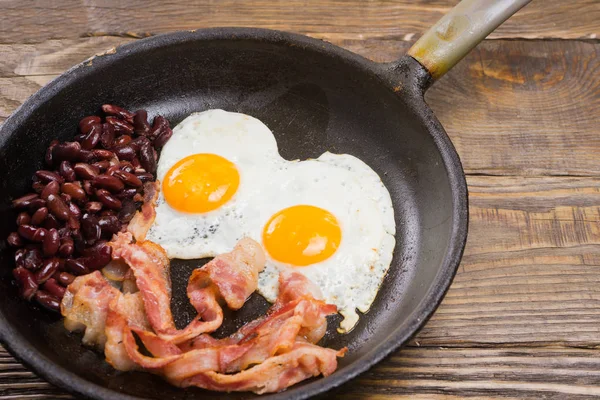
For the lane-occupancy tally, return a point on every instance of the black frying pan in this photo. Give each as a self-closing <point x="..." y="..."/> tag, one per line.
<point x="315" y="97"/>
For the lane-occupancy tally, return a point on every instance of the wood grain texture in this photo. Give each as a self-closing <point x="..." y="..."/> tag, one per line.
<point x="31" y="21"/>
<point x="510" y="107"/>
<point x="531" y="270"/>
<point x="421" y="373"/>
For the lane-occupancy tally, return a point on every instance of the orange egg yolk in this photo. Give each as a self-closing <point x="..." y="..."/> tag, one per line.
<point x="302" y="235"/>
<point x="200" y="183"/>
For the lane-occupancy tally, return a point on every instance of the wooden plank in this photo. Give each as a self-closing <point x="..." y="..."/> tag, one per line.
<point x="530" y="274"/>
<point x="511" y="107"/>
<point x="426" y="373"/>
<point x="38" y="20"/>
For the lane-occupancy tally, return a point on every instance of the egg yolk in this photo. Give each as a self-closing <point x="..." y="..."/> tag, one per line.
<point x="200" y="183"/>
<point x="302" y="235"/>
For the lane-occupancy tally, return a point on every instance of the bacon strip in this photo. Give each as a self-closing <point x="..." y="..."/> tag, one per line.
<point x="279" y="346"/>
<point x="144" y="218"/>
<point x="304" y="361"/>
<point x="125" y="311"/>
<point x="255" y="342"/>
<point x="85" y="307"/>
<point x="232" y="276"/>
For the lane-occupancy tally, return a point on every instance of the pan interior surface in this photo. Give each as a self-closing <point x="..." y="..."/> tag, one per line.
<point x="314" y="101"/>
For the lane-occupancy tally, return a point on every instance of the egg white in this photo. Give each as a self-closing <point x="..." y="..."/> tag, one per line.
<point x="339" y="183"/>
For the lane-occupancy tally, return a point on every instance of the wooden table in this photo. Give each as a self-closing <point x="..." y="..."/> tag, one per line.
<point x="522" y="318"/>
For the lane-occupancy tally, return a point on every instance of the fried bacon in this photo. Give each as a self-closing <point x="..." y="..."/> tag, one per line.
<point x="265" y="355"/>
<point x="144" y="218"/>
<point x="85" y="306"/>
<point x="303" y="361"/>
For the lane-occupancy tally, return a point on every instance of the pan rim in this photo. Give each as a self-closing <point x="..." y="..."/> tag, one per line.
<point x="59" y="376"/>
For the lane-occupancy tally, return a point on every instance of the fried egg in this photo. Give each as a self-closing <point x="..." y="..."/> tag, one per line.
<point x="329" y="218"/>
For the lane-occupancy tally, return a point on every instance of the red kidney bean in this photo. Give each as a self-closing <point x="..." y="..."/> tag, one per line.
<point x="90" y="228"/>
<point x="58" y="208"/>
<point x="23" y="218"/>
<point x="148" y="158"/>
<point x="126" y="166"/>
<point x="145" y="177"/>
<point x="109" y="225"/>
<point x="66" y="247"/>
<point x="39" y="235"/>
<point x="120" y="126"/>
<point x="48" y="268"/>
<point x="135" y="163"/>
<point x="107" y="138"/>
<point x="35" y="204"/>
<point x="102" y="165"/>
<point x="48" y="176"/>
<point x="93" y="206"/>
<point x="38" y="187"/>
<point x="122" y="140"/>
<point x="127" y="212"/>
<point x="31" y="259"/>
<point x="66" y="171"/>
<point x="106" y="212"/>
<point x="163" y="138"/>
<point x="114" y="161"/>
<point x="86" y="124"/>
<point x="92" y="138"/>
<point x="65" y="278"/>
<point x="52" y="287"/>
<point x="103" y="155"/>
<point x="75" y="210"/>
<point x="14" y="240"/>
<point x="139" y="141"/>
<point x="86" y="156"/>
<point x="79" y="137"/>
<point x="124" y="152"/>
<point x="27" y="284"/>
<point x="78" y="240"/>
<point x="68" y="151"/>
<point x="73" y="223"/>
<point x="117" y="111"/>
<point x="27" y="231"/>
<point x="19" y="256"/>
<point x="51" y="243"/>
<point x="109" y="183"/>
<point x="52" y="187"/>
<point x="108" y="199"/>
<point x="76" y="266"/>
<point x="39" y="216"/>
<point x="97" y="256"/>
<point x="49" y="155"/>
<point x="158" y="126"/>
<point x="87" y="187"/>
<point x="140" y="122"/>
<point x="85" y="171"/>
<point x="24" y="201"/>
<point x="126" y="193"/>
<point x="66" y="198"/>
<point x="51" y="222"/>
<point x="111" y="170"/>
<point x="64" y="232"/>
<point x="47" y="300"/>
<point x="74" y="190"/>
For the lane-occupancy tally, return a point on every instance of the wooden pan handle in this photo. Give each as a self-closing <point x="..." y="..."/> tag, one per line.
<point x="459" y="31"/>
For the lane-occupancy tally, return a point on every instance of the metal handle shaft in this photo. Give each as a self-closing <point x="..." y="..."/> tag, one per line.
<point x="459" y="31"/>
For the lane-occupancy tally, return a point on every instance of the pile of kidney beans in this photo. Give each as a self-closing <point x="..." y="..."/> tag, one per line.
<point x="91" y="188"/>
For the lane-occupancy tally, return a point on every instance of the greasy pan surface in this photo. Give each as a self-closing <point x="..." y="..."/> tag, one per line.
<point x="314" y="97"/>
